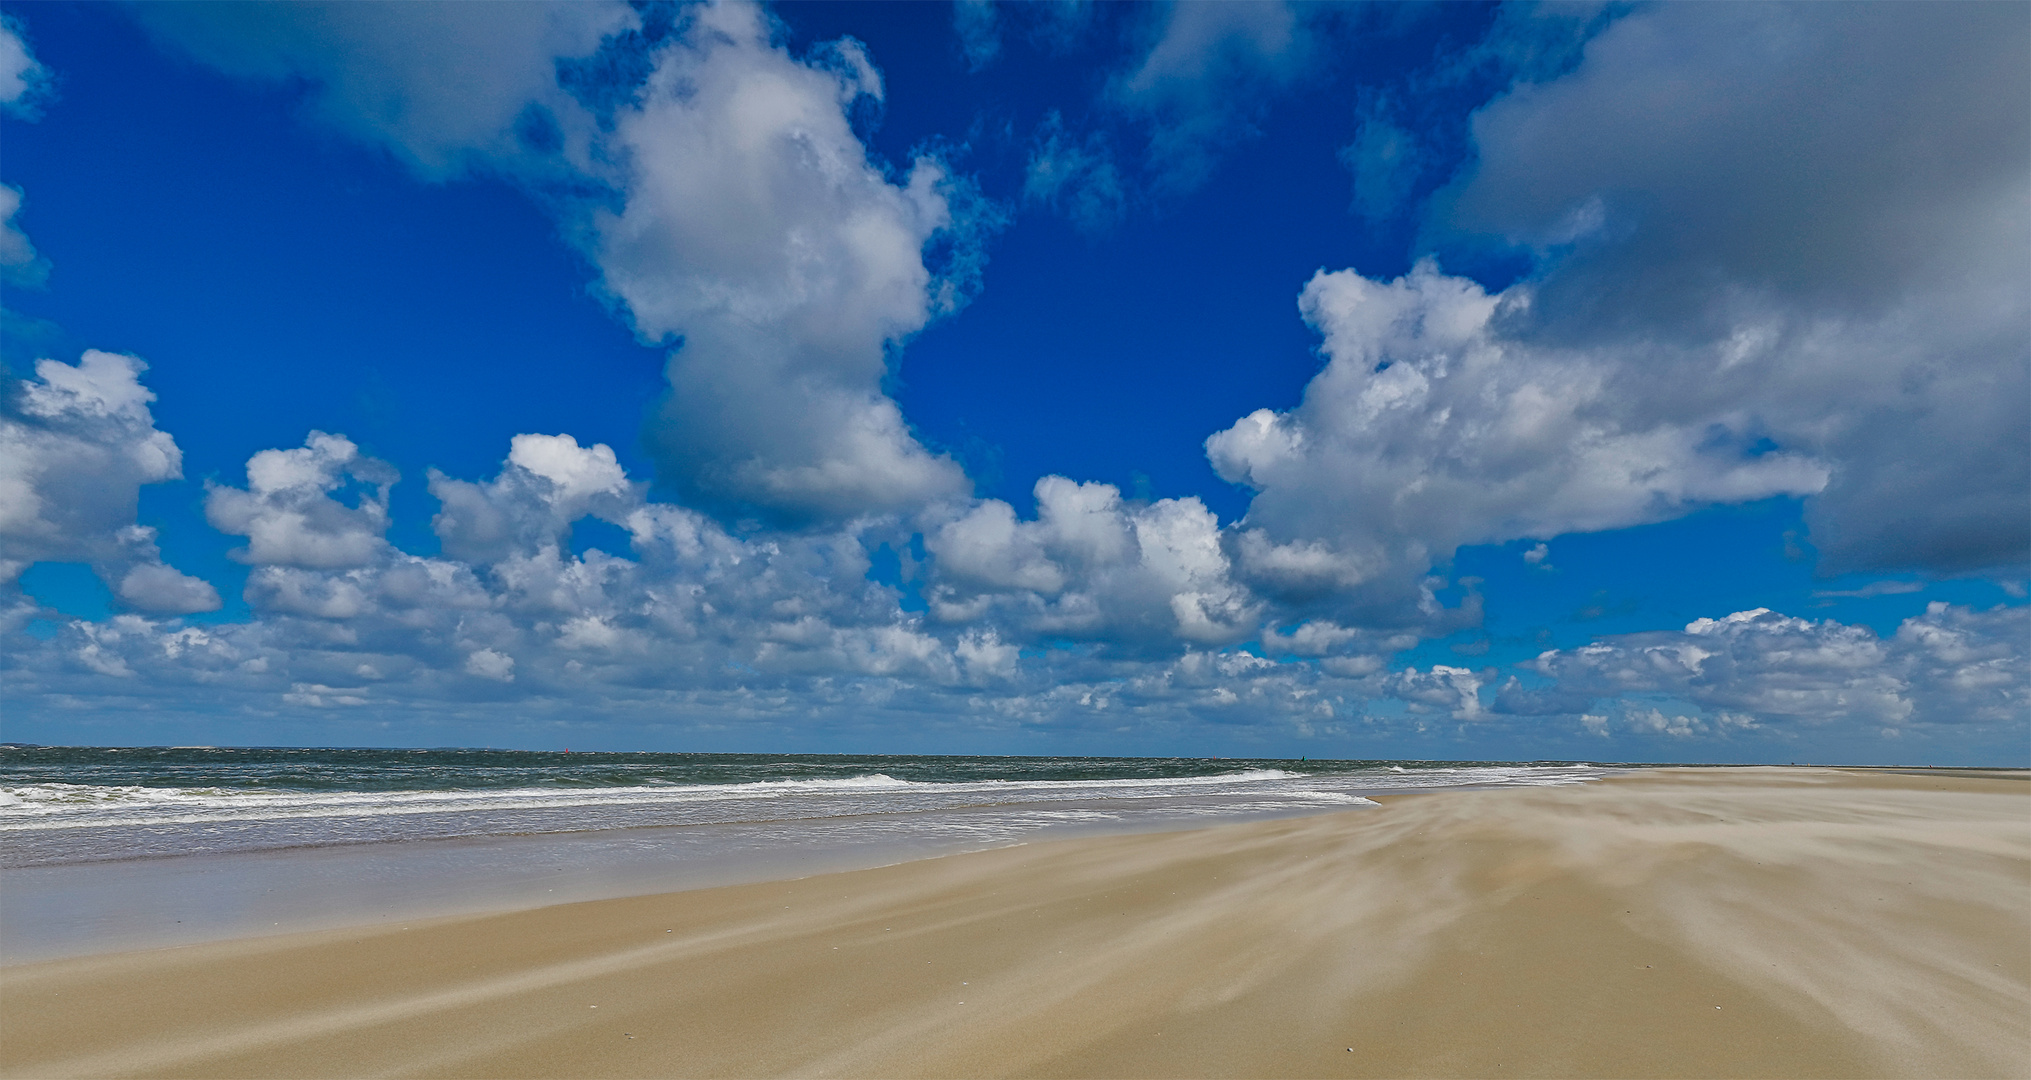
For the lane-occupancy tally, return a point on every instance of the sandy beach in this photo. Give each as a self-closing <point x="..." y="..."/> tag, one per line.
<point x="1681" y="922"/>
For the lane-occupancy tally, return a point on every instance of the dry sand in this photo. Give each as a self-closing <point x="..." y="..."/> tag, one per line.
<point x="1737" y="922"/>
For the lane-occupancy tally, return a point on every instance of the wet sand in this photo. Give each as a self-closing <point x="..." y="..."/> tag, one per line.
<point x="1722" y="922"/>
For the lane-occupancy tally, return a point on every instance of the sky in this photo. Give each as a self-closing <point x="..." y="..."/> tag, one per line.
<point x="1602" y="382"/>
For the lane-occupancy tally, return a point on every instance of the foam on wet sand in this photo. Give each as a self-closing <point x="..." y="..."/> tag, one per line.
<point x="1714" y="922"/>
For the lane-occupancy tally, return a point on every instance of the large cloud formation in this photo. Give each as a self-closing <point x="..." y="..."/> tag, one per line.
<point x="714" y="180"/>
<point x="1796" y="268"/>
<point x="1822" y="210"/>
<point x="1434" y="428"/>
<point x="1762" y="270"/>
<point x="754" y="227"/>
<point x="1100" y="615"/>
<point x="1713" y="318"/>
<point x="1664" y="354"/>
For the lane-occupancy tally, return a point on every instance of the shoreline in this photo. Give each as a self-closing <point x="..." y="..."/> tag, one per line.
<point x="1738" y="921"/>
<point x="65" y="910"/>
<point x="66" y="897"/>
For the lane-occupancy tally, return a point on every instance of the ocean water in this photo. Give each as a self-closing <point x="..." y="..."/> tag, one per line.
<point x="76" y="804"/>
<point x="106" y="849"/>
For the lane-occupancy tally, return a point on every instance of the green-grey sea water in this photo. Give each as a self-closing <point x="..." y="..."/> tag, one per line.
<point x="71" y="804"/>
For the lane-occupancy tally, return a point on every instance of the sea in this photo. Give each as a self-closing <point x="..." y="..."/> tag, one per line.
<point x="104" y="848"/>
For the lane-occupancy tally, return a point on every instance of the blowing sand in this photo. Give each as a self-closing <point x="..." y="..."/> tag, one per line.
<point x="1737" y="922"/>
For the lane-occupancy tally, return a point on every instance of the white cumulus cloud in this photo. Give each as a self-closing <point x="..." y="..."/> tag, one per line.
<point x="549" y="483"/>
<point x="1431" y="427"/>
<point x="754" y="227"/>
<point x="488" y="664"/>
<point x="716" y="182"/>
<point x="1949" y="666"/>
<point x="288" y="513"/>
<point x="77" y="443"/>
<point x="1090" y="566"/>
<point x="1455" y="691"/>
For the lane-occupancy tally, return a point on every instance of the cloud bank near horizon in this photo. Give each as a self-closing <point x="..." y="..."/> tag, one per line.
<point x="1100" y="611"/>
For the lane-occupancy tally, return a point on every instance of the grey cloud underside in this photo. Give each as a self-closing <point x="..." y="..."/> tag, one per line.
<point x="1816" y="215"/>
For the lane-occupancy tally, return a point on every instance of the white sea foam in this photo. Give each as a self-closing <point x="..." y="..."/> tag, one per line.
<point x="57" y="806"/>
<point x="63" y="822"/>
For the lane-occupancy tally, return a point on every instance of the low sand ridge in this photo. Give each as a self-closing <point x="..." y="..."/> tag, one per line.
<point x="1724" y="922"/>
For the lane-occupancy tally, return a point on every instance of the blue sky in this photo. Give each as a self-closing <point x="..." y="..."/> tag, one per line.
<point x="1444" y="381"/>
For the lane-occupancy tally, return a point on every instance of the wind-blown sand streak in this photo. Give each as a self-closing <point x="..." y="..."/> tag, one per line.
<point x="1773" y="922"/>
